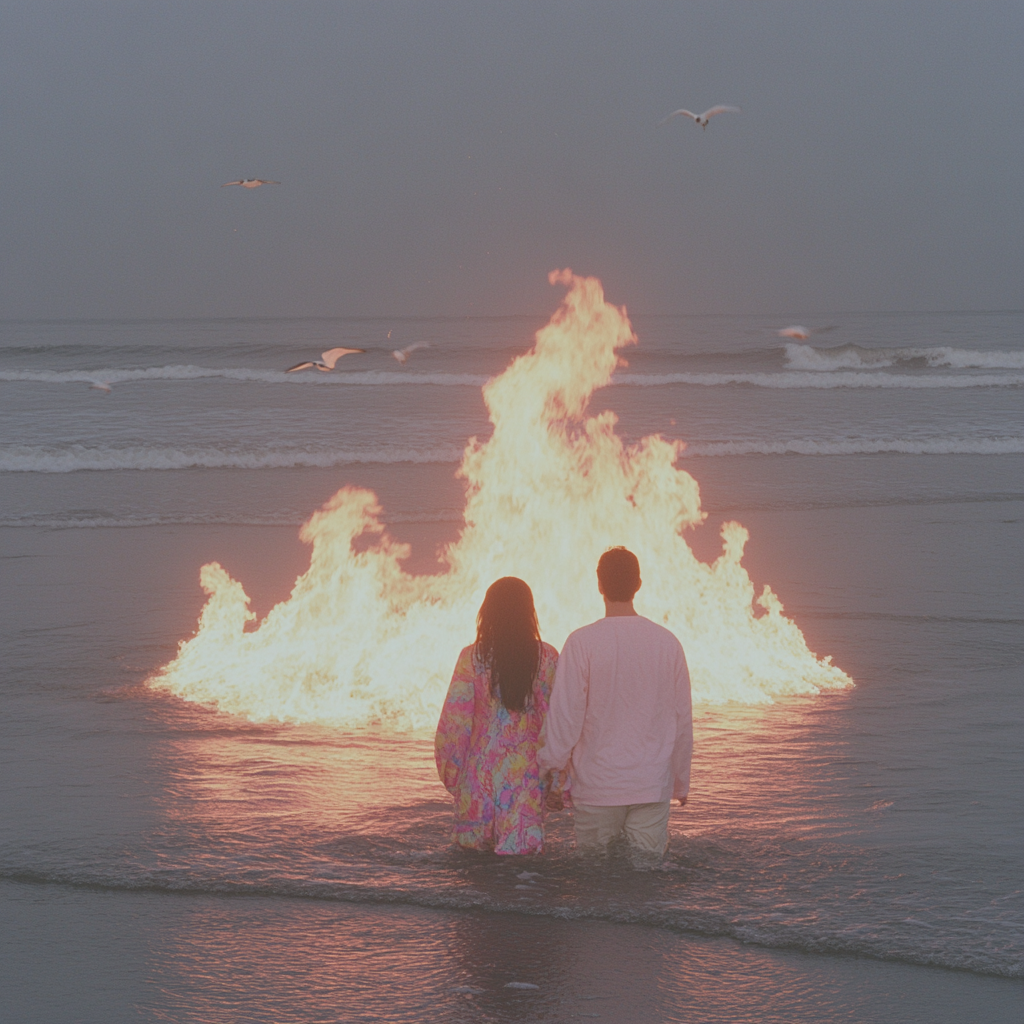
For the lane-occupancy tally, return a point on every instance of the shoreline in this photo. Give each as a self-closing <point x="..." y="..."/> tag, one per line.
<point x="132" y="956"/>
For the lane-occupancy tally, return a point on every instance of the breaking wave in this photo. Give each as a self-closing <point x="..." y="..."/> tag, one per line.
<point x="902" y="939"/>
<point x="862" y="446"/>
<point x="806" y="379"/>
<point x="854" y="357"/>
<point x="824" y="376"/>
<point x="79" y="457"/>
<point x="112" y="375"/>
<point x="43" y="459"/>
<point x="70" y="521"/>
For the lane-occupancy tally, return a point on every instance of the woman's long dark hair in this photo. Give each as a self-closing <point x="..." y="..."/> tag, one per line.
<point x="508" y="641"/>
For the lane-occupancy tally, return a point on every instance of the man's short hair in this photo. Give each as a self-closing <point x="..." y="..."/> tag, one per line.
<point x="618" y="573"/>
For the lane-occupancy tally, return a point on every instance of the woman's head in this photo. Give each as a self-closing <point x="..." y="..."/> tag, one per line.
<point x="508" y="640"/>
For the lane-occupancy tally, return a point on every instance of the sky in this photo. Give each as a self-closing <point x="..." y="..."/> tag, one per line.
<point x="439" y="158"/>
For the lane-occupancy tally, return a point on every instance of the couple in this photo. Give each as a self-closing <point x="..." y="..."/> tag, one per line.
<point x="609" y="722"/>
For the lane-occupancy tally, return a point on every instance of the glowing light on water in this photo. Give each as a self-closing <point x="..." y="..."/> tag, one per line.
<point x="360" y="640"/>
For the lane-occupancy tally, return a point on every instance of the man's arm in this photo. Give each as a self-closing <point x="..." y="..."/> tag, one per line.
<point x="682" y="754"/>
<point x="567" y="708"/>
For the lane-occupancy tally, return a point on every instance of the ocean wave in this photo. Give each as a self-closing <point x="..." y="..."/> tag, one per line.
<point x="893" y="942"/>
<point x="808" y="379"/>
<point x="289" y="519"/>
<point x="861" y="446"/>
<point x="71" y="459"/>
<point x="797" y="378"/>
<point x="78" y="457"/>
<point x="854" y="357"/>
<point x="368" y="378"/>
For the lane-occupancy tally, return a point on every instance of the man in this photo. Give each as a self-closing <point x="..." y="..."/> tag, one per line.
<point x="620" y="718"/>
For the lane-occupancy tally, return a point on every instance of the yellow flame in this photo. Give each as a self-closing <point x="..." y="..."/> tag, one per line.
<point x="361" y="641"/>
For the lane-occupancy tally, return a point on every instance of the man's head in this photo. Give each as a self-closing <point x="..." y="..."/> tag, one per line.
<point x="618" y="575"/>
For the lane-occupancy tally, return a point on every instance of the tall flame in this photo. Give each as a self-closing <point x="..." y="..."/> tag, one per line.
<point x="361" y="641"/>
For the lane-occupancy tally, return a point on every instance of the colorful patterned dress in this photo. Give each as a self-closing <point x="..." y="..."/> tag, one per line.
<point x="487" y="759"/>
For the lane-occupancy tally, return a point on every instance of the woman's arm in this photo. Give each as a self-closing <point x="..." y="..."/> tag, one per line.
<point x="555" y="782"/>
<point x="455" y="727"/>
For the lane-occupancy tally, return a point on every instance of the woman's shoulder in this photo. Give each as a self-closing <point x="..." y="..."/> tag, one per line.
<point x="467" y="664"/>
<point x="548" y="661"/>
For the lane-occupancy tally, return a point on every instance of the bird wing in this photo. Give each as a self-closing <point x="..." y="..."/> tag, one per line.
<point x="263" y="181"/>
<point x="413" y="348"/>
<point x="400" y="356"/>
<point x="226" y="183"/>
<point x="332" y="355"/>
<point x="676" y="113"/>
<point x="300" y="366"/>
<point x="720" y="110"/>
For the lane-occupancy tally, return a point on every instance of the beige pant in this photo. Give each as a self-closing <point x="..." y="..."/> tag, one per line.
<point x="645" y="825"/>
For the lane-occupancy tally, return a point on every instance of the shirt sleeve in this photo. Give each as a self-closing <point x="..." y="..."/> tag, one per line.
<point x="682" y="754"/>
<point x="545" y="679"/>
<point x="455" y="727"/>
<point x="567" y="708"/>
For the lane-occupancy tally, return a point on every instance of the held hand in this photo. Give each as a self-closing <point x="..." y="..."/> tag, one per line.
<point x="553" y="799"/>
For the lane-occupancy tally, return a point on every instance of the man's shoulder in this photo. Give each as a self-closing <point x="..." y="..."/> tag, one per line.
<point x="584" y="633"/>
<point x="622" y="626"/>
<point x="662" y="633"/>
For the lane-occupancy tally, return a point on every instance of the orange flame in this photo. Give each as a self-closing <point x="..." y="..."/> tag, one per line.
<point x="360" y="640"/>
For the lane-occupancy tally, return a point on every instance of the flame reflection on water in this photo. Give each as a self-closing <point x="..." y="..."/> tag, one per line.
<point x="769" y="768"/>
<point x="371" y="916"/>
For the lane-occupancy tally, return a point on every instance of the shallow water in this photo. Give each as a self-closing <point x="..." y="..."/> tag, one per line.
<point x="160" y="851"/>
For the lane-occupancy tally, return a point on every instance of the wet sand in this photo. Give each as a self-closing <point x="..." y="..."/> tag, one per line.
<point x="71" y="954"/>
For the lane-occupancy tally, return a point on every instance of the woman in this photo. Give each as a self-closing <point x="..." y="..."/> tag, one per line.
<point x="487" y="738"/>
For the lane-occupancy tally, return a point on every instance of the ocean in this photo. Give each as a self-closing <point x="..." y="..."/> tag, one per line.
<point x="848" y="853"/>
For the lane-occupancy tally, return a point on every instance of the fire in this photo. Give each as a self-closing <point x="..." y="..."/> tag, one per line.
<point x="362" y="641"/>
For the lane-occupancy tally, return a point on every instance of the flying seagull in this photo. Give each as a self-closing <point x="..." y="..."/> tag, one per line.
<point x="330" y="358"/>
<point x="401" y="354"/>
<point x="250" y="182"/>
<point x="803" y="333"/>
<point x="100" y="385"/>
<point x="702" y="119"/>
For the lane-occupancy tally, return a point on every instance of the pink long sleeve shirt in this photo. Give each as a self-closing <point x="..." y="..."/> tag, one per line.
<point x="620" y="717"/>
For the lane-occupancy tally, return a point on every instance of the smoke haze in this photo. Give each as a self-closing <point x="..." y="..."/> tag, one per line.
<point x="439" y="159"/>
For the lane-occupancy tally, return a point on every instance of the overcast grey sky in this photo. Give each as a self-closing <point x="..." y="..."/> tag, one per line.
<point x="442" y="157"/>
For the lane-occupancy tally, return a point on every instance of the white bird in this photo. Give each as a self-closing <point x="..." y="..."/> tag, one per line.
<point x="330" y="359"/>
<point x="803" y="333"/>
<point x="702" y="119"/>
<point x="100" y="385"/>
<point x="401" y="354"/>
<point x="250" y="182"/>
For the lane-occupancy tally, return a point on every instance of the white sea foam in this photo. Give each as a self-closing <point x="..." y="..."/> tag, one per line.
<point x="70" y="459"/>
<point x="808" y="379"/>
<point x="854" y="357"/>
<point x="77" y="457"/>
<point x="805" y="378"/>
<point x="291" y="520"/>
<point x="113" y="375"/>
<point x="862" y="446"/>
